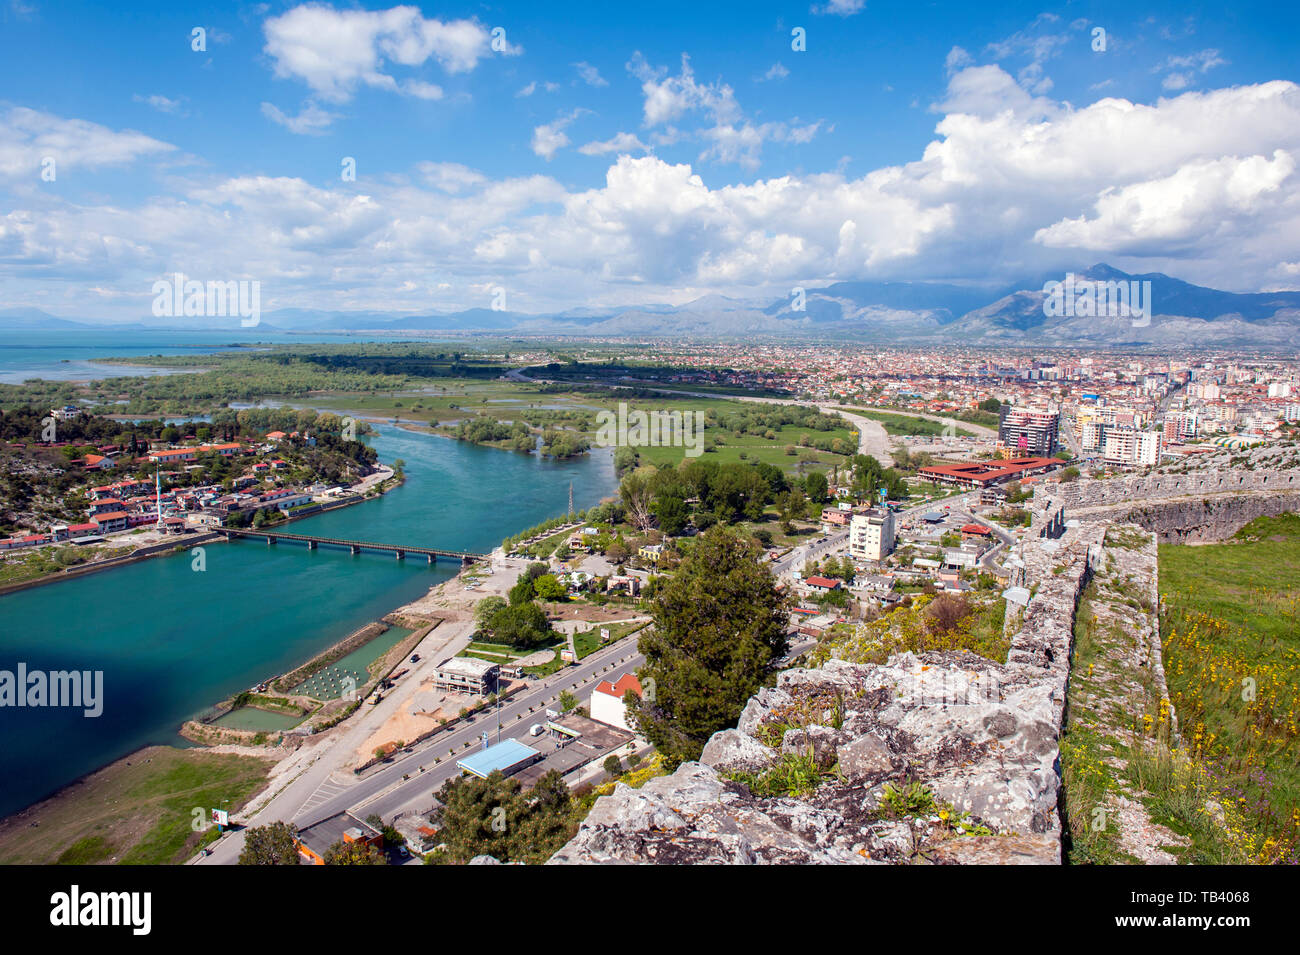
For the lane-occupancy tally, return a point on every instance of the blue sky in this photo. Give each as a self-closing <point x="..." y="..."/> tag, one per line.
<point x="613" y="153"/>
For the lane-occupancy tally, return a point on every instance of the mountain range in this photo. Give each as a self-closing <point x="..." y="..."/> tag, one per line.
<point x="913" y="312"/>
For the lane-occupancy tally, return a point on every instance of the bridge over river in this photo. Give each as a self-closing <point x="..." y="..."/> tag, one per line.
<point x="400" y="550"/>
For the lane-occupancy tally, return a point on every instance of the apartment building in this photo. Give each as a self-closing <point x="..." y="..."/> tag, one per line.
<point x="871" y="534"/>
<point x="1028" y="432"/>
<point x="1129" y="447"/>
<point x="1181" y="426"/>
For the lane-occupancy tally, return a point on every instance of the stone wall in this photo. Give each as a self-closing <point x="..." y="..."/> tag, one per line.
<point x="1085" y="493"/>
<point x="980" y="736"/>
<point x="1187" y="519"/>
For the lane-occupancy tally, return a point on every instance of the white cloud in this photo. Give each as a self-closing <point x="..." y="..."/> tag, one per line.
<point x="590" y="75"/>
<point x="335" y="51"/>
<point x="1202" y="185"/>
<point x="840" y="8"/>
<point x="548" y="139"/>
<point x="28" y="136"/>
<point x="1206" y="198"/>
<point x="534" y="86"/>
<point x="622" y="143"/>
<point x="159" y="102"/>
<point x="777" y="71"/>
<point x="311" y="120"/>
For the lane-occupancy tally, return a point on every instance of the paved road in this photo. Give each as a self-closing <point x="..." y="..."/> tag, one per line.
<point x="318" y="794"/>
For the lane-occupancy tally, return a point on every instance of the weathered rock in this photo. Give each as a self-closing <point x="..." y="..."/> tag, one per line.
<point x="997" y="850"/>
<point x="867" y="756"/>
<point x="733" y="751"/>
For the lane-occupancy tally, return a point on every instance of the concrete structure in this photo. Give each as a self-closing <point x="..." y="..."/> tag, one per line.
<point x="871" y="534"/>
<point x="466" y="675"/>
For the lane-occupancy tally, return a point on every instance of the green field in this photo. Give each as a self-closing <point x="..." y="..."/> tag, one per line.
<point x="141" y="813"/>
<point x="1231" y="631"/>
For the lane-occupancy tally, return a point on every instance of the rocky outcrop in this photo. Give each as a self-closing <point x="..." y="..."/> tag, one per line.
<point x="946" y="758"/>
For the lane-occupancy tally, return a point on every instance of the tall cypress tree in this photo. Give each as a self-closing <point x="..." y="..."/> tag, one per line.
<point x="719" y="625"/>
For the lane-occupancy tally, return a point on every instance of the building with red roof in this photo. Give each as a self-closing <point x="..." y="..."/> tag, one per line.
<point x="607" y="701"/>
<point x="979" y="474"/>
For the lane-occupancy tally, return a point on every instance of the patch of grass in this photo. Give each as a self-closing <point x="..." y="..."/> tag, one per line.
<point x="141" y="813"/>
<point x="87" y="851"/>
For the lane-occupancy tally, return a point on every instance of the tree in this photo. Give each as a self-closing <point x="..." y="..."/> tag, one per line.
<point x="719" y="624"/>
<point x="522" y="592"/>
<point x="520" y="625"/>
<point x="353" y="853"/>
<point x="635" y="493"/>
<point x="613" y="765"/>
<point x="672" y="514"/>
<point x="816" y="486"/>
<point x="487" y="608"/>
<point x="493" y="817"/>
<point x="548" y="587"/>
<point x="270" y="845"/>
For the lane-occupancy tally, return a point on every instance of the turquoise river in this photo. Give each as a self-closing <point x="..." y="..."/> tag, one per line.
<point x="171" y="641"/>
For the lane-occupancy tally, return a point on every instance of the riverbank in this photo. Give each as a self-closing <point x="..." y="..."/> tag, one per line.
<point x="172" y="545"/>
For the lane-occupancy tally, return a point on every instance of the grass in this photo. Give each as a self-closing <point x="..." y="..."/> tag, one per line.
<point x="588" y="642"/>
<point x="909" y="628"/>
<point x="136" y="814"/>
<point x="1232" y="655"/>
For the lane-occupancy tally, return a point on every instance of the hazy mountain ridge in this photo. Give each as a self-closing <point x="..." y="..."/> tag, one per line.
<point x="1183" y="313"/>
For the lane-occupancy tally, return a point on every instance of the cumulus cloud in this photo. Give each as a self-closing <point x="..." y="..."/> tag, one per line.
<point x="550" y="138"/>
<point x="732" y="137"/>
<point x="335" y="51"/>
<point x="1181" y="71"/>
<point x="1202" y="184"/>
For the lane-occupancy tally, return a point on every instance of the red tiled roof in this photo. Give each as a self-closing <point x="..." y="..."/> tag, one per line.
<point x="626" y="682"/>
<point x="822" y="582"/>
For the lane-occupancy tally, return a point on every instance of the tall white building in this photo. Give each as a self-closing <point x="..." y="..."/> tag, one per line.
<point x="871" y="534"/>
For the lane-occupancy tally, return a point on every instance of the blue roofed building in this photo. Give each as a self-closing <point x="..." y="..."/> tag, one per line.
<point x="507" y="756"/>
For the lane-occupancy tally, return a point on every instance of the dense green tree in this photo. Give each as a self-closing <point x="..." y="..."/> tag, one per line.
<point x="548" y="587"/>
<point x="816" y="486"/>
<point x="672" y="514"/>
<point x="270" y="845"/>
<point x="520" y="625"/>
<point x="494" y="817"/>
<point x="719" y="625"/>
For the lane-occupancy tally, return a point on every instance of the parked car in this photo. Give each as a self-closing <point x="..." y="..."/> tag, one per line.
<point x="537" y="729"/>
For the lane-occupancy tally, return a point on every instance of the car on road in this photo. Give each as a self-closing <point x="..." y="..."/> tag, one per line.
<point x="537" y="729"/>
